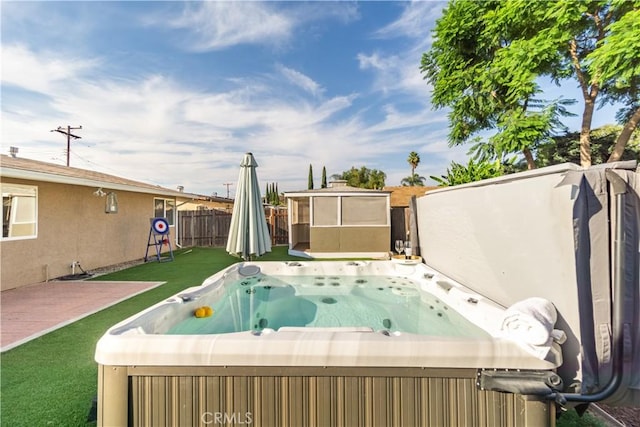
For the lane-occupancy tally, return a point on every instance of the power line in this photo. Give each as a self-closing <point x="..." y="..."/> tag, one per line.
<point x="69" y="136"/>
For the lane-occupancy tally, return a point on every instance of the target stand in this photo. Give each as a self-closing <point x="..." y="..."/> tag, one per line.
<point x="159" y="236"/>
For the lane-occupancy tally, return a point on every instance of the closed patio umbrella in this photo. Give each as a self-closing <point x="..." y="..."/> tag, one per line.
<point x="248" y="233"/>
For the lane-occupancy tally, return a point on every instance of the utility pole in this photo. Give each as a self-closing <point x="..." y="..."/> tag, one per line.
<point x="227" y="184"/>
<point x="67" y="132"/>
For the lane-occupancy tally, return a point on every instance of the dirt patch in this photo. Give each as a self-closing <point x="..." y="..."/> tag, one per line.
<point x="627" y="416"/>
<point x="115" y="267"/>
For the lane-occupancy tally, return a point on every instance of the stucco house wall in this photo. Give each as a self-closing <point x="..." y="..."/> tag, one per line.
<point x="72" y="222"/>
<point x="72" y="226"/>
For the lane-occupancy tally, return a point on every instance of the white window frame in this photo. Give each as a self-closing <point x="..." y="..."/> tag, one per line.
<point x="10" y="190"/>
<point x="172" y="220"/>
<point x="339" y="218"/>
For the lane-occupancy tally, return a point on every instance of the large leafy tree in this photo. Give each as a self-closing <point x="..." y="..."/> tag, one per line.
<point x="487" y="58"/>
<point x="363" y="177"/>
<point x="485" y="87"/>
<point x="600" y="48"/>
<point x="566" y="148"/>
<point x="473" y="171"/>
<point x="617" y="61"/>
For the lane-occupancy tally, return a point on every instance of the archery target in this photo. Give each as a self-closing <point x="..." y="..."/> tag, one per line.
<point x="160" y="225"/>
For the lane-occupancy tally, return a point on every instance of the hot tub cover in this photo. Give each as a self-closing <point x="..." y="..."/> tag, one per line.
<point x="547" y="233"/>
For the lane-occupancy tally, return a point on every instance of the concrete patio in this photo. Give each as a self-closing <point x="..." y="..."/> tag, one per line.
<point x="32" y="311"/>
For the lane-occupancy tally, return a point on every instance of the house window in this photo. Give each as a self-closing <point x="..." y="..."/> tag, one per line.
<point x="19" y="211"/>
<point x="165" y="208"/>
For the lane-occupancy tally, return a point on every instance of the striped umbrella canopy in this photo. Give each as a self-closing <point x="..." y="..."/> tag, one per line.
<point x="248" y="233"/>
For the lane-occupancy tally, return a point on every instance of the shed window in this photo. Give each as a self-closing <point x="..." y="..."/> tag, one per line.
<point x="325" y="211"/>
<point x="364" y="210"/>
<point x="19" y="211"/>
<point x="300" y="214"/>
<point x="165" y="208"/>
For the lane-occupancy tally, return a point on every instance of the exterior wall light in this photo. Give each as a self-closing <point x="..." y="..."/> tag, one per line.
<point x="111" y="205"/>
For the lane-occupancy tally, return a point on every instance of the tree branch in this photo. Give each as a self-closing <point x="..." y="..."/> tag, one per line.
<point x="531" y="163"/>
<point x="575" y="61"/>
<point x="624" y="137"/>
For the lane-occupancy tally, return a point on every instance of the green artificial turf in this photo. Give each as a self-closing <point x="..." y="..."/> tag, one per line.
<point x="52" y="380"/>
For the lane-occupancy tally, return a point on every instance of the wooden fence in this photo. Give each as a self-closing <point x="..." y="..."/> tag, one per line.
<point x="404" y="225"/>
<point x="211" y="227"/>
<point x="278" y="226"/>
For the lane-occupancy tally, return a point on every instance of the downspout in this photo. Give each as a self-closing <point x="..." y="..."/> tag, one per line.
<point x="617" y="348"/>
<point x="177" y="228"/>
<point x="178" y="245"/>
<point x="290" y="224"/>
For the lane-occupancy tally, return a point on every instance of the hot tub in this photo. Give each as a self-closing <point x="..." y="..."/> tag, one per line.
<point x="325" y="343"/>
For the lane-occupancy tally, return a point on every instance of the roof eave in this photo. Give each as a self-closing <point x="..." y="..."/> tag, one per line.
<point x="16" y="173"/>
<point x="336" y="193"/>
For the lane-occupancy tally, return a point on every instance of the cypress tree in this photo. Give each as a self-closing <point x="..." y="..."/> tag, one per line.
<point x="310" y="182"/>
<point x="324" y="178"/>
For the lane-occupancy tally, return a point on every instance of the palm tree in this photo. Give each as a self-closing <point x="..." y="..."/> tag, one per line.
<point x="414" y="160"/>
<point x="414" y="180"/>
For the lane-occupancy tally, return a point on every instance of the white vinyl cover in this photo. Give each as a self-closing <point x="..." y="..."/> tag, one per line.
<point x="546" y="233"/>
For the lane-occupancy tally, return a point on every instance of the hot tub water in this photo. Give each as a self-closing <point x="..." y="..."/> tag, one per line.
<point x="391" y="303"/>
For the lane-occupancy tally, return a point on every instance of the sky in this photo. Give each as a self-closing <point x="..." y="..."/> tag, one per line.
<point x="174" y="93"/>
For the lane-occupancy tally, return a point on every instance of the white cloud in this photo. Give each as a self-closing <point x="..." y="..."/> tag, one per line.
<point x="375" y="61"/>
<point x="344" y="12"/>
<point x="24" y="68"/>
<point x="217" y="25"/>
<point x="302" y="81"/>
<point x="154" y="129"/>
<point x="168" y="131"/>
<point x="416" y="20"/>
<point x="395" y="73"/>
<point x="399" y="71"/>
<point x="395" y="119"/>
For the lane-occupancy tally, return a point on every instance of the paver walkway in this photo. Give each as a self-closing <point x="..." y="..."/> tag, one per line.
<point x="31" y="311"/>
